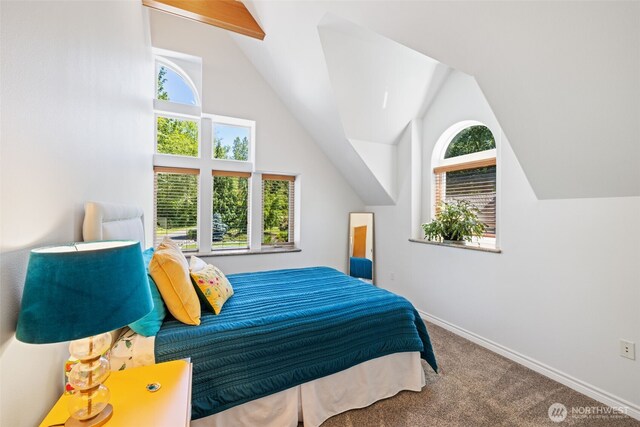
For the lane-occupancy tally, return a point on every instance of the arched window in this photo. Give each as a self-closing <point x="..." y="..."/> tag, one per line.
<point x="174" y="85"/>
<point x="464" y="168"/>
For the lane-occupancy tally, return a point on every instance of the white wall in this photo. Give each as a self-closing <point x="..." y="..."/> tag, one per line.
<point x="381" y="160"/>
<point x="562" y="77"/>
<point x="76" y="125"/>
<point x="563" y="291"/>
<point x="233" y="87"/>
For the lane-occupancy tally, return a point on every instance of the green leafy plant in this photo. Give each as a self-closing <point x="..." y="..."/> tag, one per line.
<point x="456" y="220"/>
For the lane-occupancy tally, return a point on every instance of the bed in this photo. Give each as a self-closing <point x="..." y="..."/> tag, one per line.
<point x="290" y="345"/>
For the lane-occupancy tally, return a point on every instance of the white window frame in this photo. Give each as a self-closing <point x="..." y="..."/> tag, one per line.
<point x="167" y="115"/>
<point x="250" y="242"/>
<point x="229" y="164"/>
<point x="163" y="61"/>
<point x="205" y="163"/>
<point x="438" y="160"/>
<point x="296" y="211"/>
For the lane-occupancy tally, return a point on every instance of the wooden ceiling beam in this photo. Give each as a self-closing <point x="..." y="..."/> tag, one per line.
<point x="231" y="15"/>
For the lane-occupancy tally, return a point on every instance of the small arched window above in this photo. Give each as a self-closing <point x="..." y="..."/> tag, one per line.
<point x="472" y="139"/>
<point x="464" y="168"/>
<point x="177" y="110"/>
<point x="174" y="86"/>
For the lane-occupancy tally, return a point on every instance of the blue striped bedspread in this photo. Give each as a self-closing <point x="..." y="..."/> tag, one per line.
<point x="283" y="328"/>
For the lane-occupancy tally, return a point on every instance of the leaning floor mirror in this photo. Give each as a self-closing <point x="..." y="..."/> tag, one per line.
<point x="361" y="263"/>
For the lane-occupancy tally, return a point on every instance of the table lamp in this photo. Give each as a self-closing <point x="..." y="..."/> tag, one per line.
<point x="79" y="292"/>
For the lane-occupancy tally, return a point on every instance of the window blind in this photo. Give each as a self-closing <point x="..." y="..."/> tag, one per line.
<point x="475" y="185"/>
<point x="230" y="225"/>
<point x="278" y="210"/>
<point x="176" y="206"/>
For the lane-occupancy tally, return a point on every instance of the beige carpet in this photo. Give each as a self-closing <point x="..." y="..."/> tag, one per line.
<point x="477" y="387"/>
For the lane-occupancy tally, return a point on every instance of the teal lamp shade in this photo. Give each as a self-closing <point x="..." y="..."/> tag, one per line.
<point x="82" y="289"/>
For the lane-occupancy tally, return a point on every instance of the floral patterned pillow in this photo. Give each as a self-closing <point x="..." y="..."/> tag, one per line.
<point x="213" y="287"/>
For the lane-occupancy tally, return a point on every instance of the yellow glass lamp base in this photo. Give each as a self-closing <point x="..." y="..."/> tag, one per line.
<point x="96" y="421"/>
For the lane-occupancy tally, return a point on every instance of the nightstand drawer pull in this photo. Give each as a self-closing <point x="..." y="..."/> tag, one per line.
<point x="153" y="387"/>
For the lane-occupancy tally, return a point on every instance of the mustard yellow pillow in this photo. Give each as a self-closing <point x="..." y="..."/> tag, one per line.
<point x="170" y="270"/>
<point x="213" y="287"/>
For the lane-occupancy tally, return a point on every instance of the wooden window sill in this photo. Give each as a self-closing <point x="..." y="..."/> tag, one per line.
<point x="470" y="246"/>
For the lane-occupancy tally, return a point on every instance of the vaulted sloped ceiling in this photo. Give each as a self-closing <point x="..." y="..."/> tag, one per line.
<point x="378" y="86"/>
<point x="563" y="79"/>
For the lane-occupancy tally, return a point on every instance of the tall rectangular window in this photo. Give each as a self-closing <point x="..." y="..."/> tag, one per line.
<point x="176" y="206"/>
<point x="230" y="215"/>
<point x="278" y="210"/>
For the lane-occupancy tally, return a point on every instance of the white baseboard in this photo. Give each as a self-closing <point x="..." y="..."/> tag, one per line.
<point x="580" y="386"/>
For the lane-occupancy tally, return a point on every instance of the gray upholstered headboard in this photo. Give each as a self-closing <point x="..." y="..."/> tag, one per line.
<point x="106" y="221"/>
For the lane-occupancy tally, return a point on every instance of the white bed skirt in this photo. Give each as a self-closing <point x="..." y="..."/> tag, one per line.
<point x="318" y="400"/>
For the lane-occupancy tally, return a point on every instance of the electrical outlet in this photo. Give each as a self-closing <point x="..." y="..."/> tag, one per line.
<point x="628" y="349"/>
<point x="392" y="276"/>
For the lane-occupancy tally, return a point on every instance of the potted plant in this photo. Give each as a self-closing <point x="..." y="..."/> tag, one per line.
<point x="455" y="222"/>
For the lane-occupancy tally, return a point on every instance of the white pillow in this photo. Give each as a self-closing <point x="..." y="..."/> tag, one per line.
<point x="132" y="350"/>
<point x="196" y="264"/>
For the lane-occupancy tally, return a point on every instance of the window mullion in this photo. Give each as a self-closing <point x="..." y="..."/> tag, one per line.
<point x="206" y="187"/>
<point x="297" y="209"/>
<point x="177" y="110"/>
<point x="204" y="219"/>
<point x="255" y="212"/>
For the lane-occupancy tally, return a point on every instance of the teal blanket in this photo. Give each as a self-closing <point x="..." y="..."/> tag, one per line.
<point x="283" y="328"/>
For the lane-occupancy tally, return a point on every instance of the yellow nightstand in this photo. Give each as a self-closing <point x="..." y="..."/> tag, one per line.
<point x="133" y="405"/>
